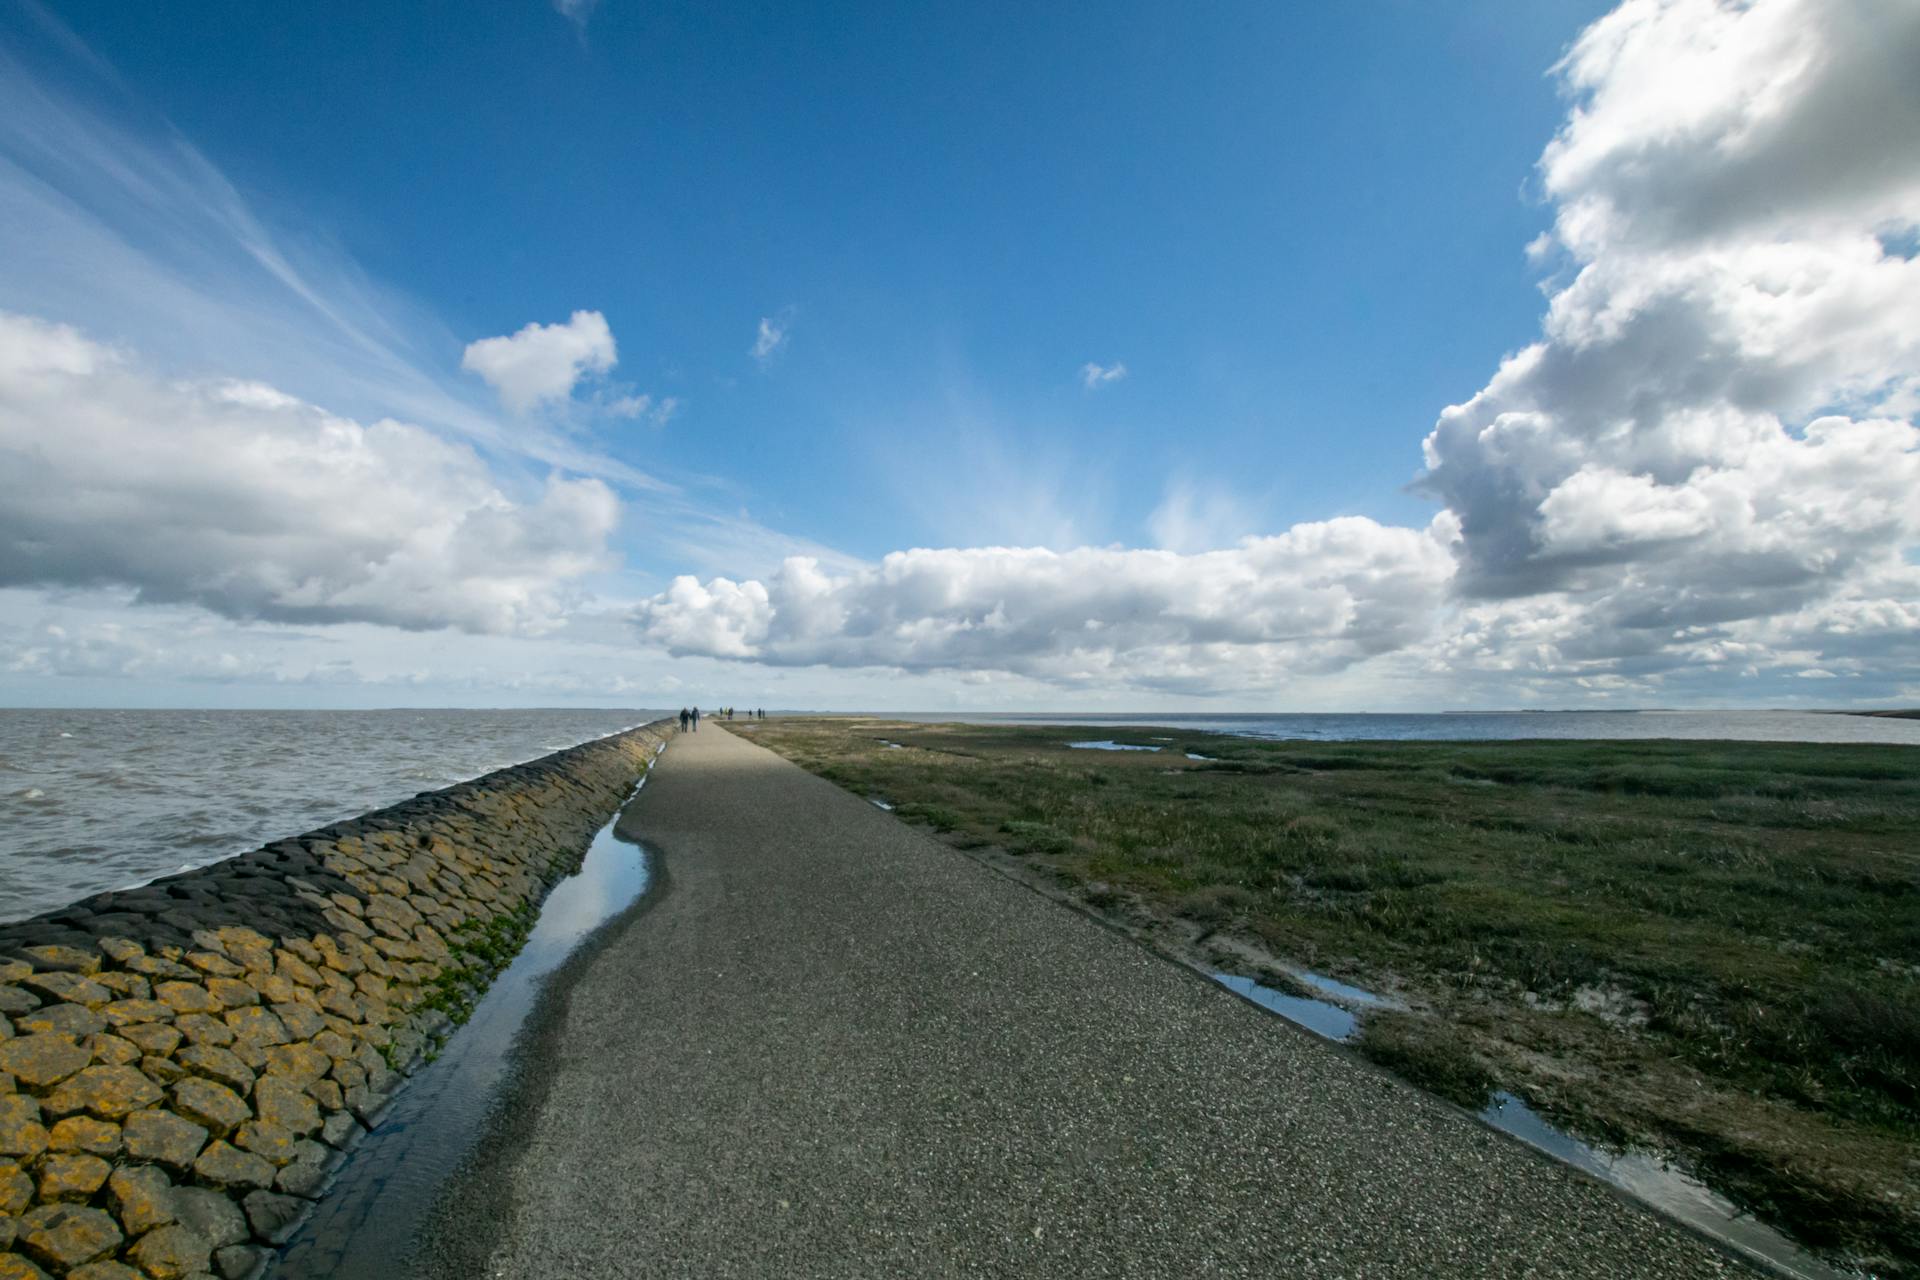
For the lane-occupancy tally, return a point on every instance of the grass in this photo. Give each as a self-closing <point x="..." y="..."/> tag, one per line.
<point x="1710" y="945"/>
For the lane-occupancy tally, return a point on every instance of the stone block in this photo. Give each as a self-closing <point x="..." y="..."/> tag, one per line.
<point x="58" y="985"/>
<point x="121" y="1013"/>
<point x="105" y="1270"/>
<point x="112" y="1051"/>
<point x="283" y="1102"/>
<point x="204" y="1029"/>
<point x="186" y="997"/>
<point x="74" y="1020"/>
<point x="86" y="1135"/>
<point x="271" y="1142"/>
<point x="72" y="1176"/>
<point x="15" y="1267"/>
<point x="41" y="1060"/>
<point x="109" y="1093"/>
<point x="261" y="1026"/>
<point x="219" y="1065"/>
<point x="66" y="1236"/>
<point x="302" y="1021"/>
<point x="207" y="1102"/>
<point x="232" y="993"/>
<point x="153" y="1037"/>
<point x="241" y="1261"/>
<point x="142" y="1196"/>
<point x="225" y="1165"/>
<point x="172" y="1252"/>
<point x="47" y="959"/>
<point x="212" y="1214"/>
<point x="22" y="1135"/>
<point x="164" y="1138"/>
<point x="272" y="1216"/>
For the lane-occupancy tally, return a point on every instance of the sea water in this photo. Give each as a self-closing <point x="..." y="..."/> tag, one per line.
<point x="96" y="800"/>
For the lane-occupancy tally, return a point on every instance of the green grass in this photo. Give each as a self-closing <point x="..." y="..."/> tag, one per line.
<point x="1757" y="903"/>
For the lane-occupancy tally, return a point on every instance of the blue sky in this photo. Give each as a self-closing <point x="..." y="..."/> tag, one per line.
<point x="957" y="212"/>
<point x="1300" y="231"/>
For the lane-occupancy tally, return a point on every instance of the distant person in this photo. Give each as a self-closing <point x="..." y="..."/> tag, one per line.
<point x="696" y="719"/>
<point x="683" y="719"/>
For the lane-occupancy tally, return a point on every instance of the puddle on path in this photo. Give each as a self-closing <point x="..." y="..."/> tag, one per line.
<point x="1646" y="1177"/>
<point x="1641" y="1174"/>
<point x="1322" y="1017"/>
<point x="364" y="1225"/>
<point x="1107" y="744"/>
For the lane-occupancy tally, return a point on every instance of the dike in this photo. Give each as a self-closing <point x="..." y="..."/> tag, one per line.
<point x="183" y="1065"/>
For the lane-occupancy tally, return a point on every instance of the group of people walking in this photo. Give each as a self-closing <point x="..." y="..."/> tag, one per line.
<point x="690" y="716"/>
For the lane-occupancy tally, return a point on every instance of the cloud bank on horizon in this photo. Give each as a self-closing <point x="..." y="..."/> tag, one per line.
<point x="1707" y="463"/>
<point x="1706" y="466"/>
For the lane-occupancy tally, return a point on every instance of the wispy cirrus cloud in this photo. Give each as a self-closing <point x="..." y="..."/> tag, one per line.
<point x="1094" y="376"/>
<point x="576" y="11"/>
<point x="126" y="229"/>
<point x="770" y="338"/>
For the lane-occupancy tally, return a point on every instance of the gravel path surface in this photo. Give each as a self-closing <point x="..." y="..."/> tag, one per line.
<point x="835" y="1047"/>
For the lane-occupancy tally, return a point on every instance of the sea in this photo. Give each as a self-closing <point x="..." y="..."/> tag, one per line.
<point x="95" y="800"/>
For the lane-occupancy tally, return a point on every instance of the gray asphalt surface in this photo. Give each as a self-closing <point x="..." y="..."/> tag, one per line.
<point x="835" y="1047"/>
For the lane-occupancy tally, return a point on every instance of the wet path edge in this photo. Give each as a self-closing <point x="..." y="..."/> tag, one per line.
<point x="511" y="1098"/>
<point x="519" y="1097"/>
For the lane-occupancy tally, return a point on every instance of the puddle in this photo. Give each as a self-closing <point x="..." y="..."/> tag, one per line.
<point x="366" y="1222"/>
<point x="1344" y="991"/>
<point x="1107" y="744"/>
<point x="880" y="804"/>
<point x="1322" y="1017"/>
<point x="1648" y="1178"/>
<point x="1195" y="755"/>
<point x="1640" y="1174"/>
<point x="891" y="746"/>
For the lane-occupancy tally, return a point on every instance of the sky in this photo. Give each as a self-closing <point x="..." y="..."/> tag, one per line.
<point x="535" y="352"/>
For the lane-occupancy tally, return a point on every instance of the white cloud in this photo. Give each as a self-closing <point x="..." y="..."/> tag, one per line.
<point x="576" y="11"/>
<point x="770" y="338"/>
<point x="1705" y="468"/>
<point x="1094" y="376"/>
<point x="138" y="238"/>
<point x="254" y="504"/>
<point x="654" y="412"/>
<point x="542" y="362"/>
<point x="1714" y="430"/>
<point x="1315" y="599"/>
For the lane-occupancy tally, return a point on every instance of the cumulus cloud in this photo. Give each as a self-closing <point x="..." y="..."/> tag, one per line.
<point x="1706" y="468"/>
<point x="1315" y="599"/>
<point x="254" y="504"/>
<point x="1715" y="427"/>
<point x="770" y="338"/>
<point x="542" y="362"/>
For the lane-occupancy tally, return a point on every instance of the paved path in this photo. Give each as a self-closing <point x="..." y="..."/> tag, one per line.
<point x="834" y="1047"/>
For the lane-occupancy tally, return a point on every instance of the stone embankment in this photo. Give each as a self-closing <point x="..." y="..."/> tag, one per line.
<point x="183" y="1065"/>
